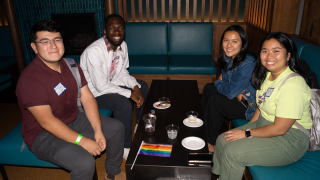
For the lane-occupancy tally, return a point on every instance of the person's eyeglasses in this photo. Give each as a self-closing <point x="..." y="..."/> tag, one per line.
<point x="57" y="41"/>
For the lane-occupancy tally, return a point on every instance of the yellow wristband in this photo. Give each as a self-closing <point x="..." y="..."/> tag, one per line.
<point x="78" y="139"/>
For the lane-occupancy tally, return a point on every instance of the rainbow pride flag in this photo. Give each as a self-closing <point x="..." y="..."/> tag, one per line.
<point x="163" y="150"/>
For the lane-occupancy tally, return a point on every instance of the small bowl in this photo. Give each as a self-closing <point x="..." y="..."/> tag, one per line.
<point x="163" y="99"/>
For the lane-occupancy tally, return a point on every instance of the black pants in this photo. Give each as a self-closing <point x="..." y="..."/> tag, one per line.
<point x="122" y="109"/>
<point x="217" y="107"/>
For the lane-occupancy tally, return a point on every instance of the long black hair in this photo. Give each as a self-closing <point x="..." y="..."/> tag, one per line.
<point x="260" y="72"/>
<point x="240" y="57"/>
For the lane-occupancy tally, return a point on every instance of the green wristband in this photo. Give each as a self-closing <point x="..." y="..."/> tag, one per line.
<point x="249" y="122"/>
<point x="78" y="139"/>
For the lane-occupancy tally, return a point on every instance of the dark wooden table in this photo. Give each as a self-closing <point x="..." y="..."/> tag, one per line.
<point x="184" y="97"/>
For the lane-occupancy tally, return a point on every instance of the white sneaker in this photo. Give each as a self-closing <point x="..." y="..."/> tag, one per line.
<point x="126" y="153"/>
<point x="135" y="129"/>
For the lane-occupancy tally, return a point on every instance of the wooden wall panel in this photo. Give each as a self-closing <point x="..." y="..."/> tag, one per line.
<point x="285" y="16"/>
<point x="255" y="36"/>
<point x="311" y="18"/>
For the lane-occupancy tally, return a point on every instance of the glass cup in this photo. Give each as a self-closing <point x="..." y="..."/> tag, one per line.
<point x="149" y="123"/>
<point x="192" y="117"/>
<point x="172" y="131"/>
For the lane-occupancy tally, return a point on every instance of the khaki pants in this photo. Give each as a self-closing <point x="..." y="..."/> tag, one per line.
<point x="231" y="158"/>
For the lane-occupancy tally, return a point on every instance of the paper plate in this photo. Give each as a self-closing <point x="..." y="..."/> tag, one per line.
<point x="193" y="143"/>
<point x="156" y="103"/>
<point x="198" y="123"/>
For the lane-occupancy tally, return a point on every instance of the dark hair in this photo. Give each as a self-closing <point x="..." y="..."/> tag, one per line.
<point x="45" y="25"/>
<point x="260" y="72"/>
<point x="240" y="57"/>
<point x="111" y="16"/>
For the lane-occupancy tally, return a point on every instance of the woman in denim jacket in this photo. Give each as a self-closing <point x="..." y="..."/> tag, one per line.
<point x="232" y="96"/>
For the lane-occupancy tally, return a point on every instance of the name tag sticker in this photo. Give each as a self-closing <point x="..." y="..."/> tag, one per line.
<point x="269" y="92"/>
<point x="59" y="89"/>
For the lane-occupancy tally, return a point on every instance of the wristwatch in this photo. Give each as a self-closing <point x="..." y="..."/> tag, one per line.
<point x="248" y="133"/>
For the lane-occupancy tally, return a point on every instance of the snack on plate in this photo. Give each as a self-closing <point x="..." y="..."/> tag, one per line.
<point x="163" y="104"/>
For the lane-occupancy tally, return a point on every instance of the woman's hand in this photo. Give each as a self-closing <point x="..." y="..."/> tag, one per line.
<point x="220" y="77"/>
<point x="241" y="97"/>
<point x="234" y="134"/>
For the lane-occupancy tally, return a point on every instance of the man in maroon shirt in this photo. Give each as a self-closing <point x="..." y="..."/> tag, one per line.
<point x="52" y="126"/>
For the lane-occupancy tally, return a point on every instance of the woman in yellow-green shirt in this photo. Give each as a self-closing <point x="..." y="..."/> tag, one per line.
<point x="270" y="139"/>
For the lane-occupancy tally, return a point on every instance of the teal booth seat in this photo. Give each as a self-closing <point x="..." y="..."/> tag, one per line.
<point x="300" y="44"/>
<point x="5" y="81"/>
<point x="311" y="54"/>
<point x="192" y="64"/>
<point x="307" y="168"/>
<point x="190" y="48"/>
<point x="147" y="47"/>
<point x="105" y="112"/>
<point x="149" y="64"/>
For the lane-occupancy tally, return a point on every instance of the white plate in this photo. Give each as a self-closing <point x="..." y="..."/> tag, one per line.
<point x="193" y="143"/>
<point x="156" y="103"/>
<point x="198" y="123"/>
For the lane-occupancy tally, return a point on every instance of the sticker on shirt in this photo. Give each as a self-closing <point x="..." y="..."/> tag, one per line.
<point x="59" y="89"/>
<point x="269" y="92"/>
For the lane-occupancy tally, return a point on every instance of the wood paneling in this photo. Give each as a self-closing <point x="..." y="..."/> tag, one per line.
<point x="125" y="11"/>
<point x="236" y="11"/>
<point x="219" y="10"/>
<point x="178" y="10"/>
<point x="133" y="11"/>
<point x="255" y="35"/>
<point x="170" y="11"/>
<point x="148" y="10"/>
<point x="310" y="24"/>
<point x="228" y="11"/>
<point x="140" y="11"/>
<point x="203" y="5"/>
<point x="155" y="16"/>
<point x="187" y="10"/>
<point x="210" y="10"/>
<point x="163" y="11"/>
<point x="285" y="16"/>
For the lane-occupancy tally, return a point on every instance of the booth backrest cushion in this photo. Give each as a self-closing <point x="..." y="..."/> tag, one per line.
<point x="190" y="38"/>
<point x="300" y="44"/>
<point x="311" y="54"/>
<point x="147" y="38"/>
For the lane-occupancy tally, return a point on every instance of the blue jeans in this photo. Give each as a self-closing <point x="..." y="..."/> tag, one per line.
<point x="122" y="109"/>
<point x="76" y="159"/>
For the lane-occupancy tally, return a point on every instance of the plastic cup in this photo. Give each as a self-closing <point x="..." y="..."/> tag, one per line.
<point x="192" y="117"/>
<point x="172" y="131"/>
<point x="149" y="123"/>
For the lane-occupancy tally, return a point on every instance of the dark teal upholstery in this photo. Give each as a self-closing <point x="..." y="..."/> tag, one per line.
<point x="300" y="44"/>
<point x="5" y="81"/>
<point x="202" y="64"/>
<point x="311" y="54"/>
<point x="190" y="38"/>
<point x="105" y="112"/>
<point x="10" y="146"/>
<point x="7" y="57"/>
<point x="147" y="38"/>
<point x="156" y="64"/>
<point x="307" y="168"/>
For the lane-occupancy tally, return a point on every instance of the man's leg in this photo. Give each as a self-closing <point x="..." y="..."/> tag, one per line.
<point x="113" y="131"/>
<point x="74" y="158"/>
<point x="122" y="110"/>
<point x="144" y="89"/>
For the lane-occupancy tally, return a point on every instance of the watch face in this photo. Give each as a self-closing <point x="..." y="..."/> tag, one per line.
<point x="248" y="133"/>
